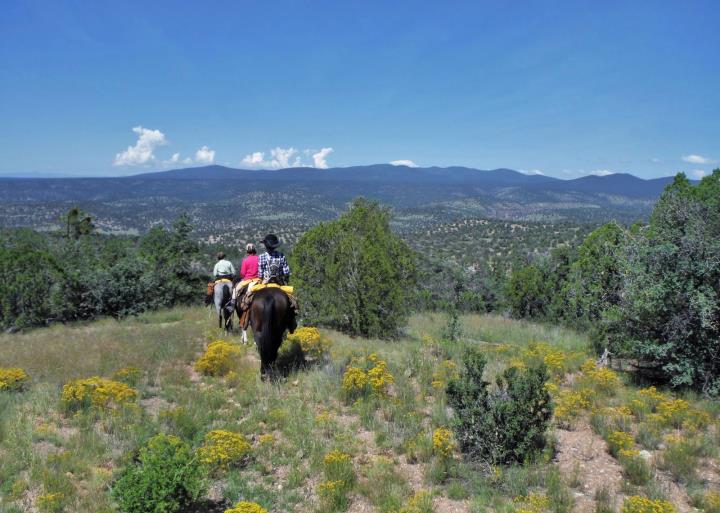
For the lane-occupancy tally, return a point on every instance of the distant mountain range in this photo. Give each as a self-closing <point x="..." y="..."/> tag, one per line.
<point x="367" y="178"/>
<point x="312" y="194"/>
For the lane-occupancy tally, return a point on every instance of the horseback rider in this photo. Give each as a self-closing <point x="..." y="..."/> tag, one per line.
<point x="272" y="265"/>
<point x="248" y="272"/>
<point x="223" y="269"/>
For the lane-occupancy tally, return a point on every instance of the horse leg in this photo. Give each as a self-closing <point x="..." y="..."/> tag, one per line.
<point x="244" y="337"/>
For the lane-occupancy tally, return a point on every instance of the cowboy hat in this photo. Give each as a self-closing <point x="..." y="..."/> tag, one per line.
<point x="271" y="241"/>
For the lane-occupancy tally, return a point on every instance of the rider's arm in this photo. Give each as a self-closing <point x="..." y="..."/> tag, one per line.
<point x="232" y="268"/>
<point x="215" y="270"/>
<point x="285" y="267"/>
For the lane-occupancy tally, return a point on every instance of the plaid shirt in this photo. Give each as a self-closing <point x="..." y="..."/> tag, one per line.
<point x="264" y="264"/>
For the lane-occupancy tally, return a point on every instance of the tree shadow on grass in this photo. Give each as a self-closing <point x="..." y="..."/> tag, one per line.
<point x="209" y="506"/>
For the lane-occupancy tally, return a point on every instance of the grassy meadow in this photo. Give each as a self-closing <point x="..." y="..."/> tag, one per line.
<point x="311" y="442"/>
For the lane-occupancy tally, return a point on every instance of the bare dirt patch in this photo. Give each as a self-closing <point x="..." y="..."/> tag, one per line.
<point x="154" y="405"/>
<point x="445" y="505"/>
<point x="583" y="456"/>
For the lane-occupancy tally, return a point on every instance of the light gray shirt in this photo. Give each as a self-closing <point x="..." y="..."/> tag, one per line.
<point x="223" y="267"/>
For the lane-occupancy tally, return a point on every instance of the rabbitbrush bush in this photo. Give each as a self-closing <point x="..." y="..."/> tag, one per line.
<point x="223" y="449"/>
<point x="366" y="377"/>
<point x="339" y="480"/>
<point x="220" y="358"/>
<point x="501" y="424"/>
<point x="638" y="504"/>
<point x="247" y="507"/>
<point x="13" y="379"/>
<point x="164" y="478"/>
<point x="96" y="392"/>
<point x="311" y="340"/>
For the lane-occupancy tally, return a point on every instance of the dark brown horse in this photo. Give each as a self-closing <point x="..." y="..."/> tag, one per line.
<point x="270" y="315"/>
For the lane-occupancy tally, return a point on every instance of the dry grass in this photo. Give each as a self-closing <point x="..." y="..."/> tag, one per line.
<point x="291" y="423"/>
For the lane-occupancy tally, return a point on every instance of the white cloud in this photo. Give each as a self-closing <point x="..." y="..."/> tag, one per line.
<point x="254" y="159"/>
<point x="697" y="159"/>
<point x="205" y="155"/>
<point x="532" y="172"/>
<point x="698" y="173"/>
<point x="143" y="151"/>
<point x="175" y="159"/>
<point x="655" y="160"/>
<point x="402" y="162"/>
<point x="319" y="158"/>
<point x="281" y="158"/>
<point x="602" y="172"/>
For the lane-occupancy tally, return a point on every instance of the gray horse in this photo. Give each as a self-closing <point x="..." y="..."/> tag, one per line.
<point x="222" y="296"/>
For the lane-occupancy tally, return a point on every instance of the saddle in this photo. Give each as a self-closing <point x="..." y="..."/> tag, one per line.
<point x="210" y="293"/>
<point x="247" y="300"/>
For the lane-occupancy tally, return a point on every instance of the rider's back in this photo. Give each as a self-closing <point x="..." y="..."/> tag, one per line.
<point x="249" y="267"/>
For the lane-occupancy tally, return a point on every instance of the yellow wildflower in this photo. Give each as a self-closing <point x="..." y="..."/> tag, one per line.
<point x="13" y="379"/>
<point x="312" y="342"/>
<point x="638" y="504"/>
<point x="673" y="411"/>
<point x="620" y="440"/>
<point x="365" y="376"/>
<point x="97" y="392"/>
<point x="50" y="501"/>
<point x="602" y="379"/>
<point x="129" y="375"/>
<point x="532" y="503"/>
<point x="569" y="404"/>
<point x="445" y="372"/>
<point x="247" y="507"/>
<point x="443" y="444"/>
<point x="220" y="358"/>
<point x="420" y="502"/>
<point x="223" y="449"/>
<point x="266" y="439"/>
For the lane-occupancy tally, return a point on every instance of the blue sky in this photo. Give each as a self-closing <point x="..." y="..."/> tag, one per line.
<point x="562" y="88"/>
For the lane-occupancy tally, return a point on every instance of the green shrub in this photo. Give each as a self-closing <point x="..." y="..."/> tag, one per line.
<point x="164" y="478"/>
<point x="669" y="309"/>
<point x="355" y="274"/>
<point x="505" y="423"/>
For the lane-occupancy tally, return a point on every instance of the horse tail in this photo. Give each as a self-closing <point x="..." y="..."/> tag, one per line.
<point x="268" y="316"/>
<point x="267" y="328"/>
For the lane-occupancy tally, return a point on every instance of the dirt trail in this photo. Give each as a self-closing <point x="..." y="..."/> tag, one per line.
<point x="583" y="456"/>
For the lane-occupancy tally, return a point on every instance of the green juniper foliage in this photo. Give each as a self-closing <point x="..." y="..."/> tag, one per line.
<point x="501" y="424"/>
<point x="354" y="274"/>
<point x="51" y="277"/>
<point x="165" y="478"/>
<point x="648" y="292"/>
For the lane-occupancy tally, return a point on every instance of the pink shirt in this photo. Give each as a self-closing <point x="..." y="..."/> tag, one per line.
<point x="249" y="267"/>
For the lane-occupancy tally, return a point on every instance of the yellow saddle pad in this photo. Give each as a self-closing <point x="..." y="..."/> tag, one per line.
<point x="285" y="288"/>
<point x="224" y="280"/>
